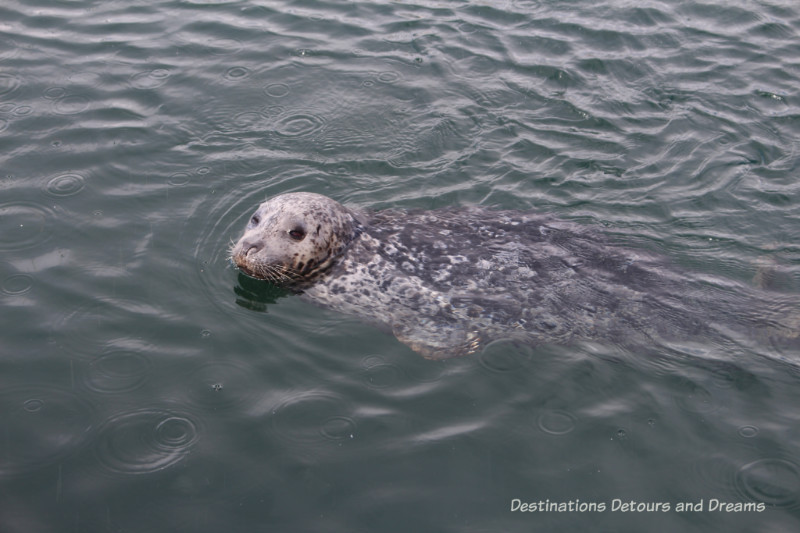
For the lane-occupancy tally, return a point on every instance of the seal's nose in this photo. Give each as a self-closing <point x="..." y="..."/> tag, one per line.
<point x="250" y="247"/>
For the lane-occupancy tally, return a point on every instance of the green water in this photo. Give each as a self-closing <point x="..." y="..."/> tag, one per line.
<point x="145" y="387"/>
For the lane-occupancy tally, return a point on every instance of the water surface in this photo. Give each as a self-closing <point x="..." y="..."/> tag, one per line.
<point x="145" y="387"/>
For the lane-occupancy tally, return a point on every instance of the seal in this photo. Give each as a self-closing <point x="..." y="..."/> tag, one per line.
<point x="450" y="281"/>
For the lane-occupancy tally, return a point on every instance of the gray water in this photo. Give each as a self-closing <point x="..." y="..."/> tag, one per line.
<point x="145" y="387"/>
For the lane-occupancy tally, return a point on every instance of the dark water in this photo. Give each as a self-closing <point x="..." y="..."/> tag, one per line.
<point x="145" y="387"/>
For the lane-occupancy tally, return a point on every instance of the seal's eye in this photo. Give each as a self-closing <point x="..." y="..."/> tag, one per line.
<point x="297" y="234"/>
<point x="255" y="220"/>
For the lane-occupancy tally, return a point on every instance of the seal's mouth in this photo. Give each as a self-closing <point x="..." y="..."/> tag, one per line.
<point x="244" y="269"/>
<point x="277" y="274"/>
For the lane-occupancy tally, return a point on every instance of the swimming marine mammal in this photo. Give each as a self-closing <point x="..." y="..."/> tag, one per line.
<point x="448" y="282"/>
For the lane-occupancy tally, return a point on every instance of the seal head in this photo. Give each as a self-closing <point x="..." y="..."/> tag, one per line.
<point x="294" y="238"/>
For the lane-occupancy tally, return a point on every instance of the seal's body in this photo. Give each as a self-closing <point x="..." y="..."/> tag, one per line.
<point x="448" y="282"/>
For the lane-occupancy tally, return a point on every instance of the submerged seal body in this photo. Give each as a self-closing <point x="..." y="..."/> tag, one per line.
<point x="448" y="282"/>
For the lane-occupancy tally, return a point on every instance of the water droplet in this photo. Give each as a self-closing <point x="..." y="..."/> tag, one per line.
<point x="241" y="386"/>
<point x="23" y="110"/>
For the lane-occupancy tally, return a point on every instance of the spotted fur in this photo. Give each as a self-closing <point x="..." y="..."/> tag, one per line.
<point x="448" y="282"/>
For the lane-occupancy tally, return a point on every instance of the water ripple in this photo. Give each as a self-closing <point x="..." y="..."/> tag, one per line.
<point x="40" y="427"/>
<point x="150" y="79"/>
<point x="17" y="284"/>
<point x="773" y="481"/>
<point x="145" y="441"/>
<point x="24" y="225"/>
<point x="8" y="85"/>
<point x="65" y="185"/>
<point x="299" y="125"/>
<point x="556" y="422"/>
<point x="71" y="104"/>
<point x="380" y="374"/>
<point x="118" y="372"/>
<point x="223" y="385"/>
<point x="309" y="416"/>
<point x="277" y="90"/>
<point x="237" y="73"/>
<point x="95" y="326"/>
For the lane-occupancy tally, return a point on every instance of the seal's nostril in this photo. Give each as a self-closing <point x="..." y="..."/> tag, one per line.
<point x="251" y="248"/>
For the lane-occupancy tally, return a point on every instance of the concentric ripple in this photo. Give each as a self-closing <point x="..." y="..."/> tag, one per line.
<point x="772" y="481"/>
<point x="500" y="357"/>
<point x="150" y="79"/>
<point x="237" y="73"/>
<point x="379" y="374"/>
<point x="308" y="416"/>
<point x="556" y="422"/>
<point x="299" y="125"/>
<point x="8" y="84"/>
<point x="145" y="441"/>
<point x="17" y="284"/>
<point x="71" y="104"/>
<point x="65" y="185"/>
<point x="40" y="426"/>
<point x="23" y="225"/>
<point x="118" y="372"/>
<point x="277" y="90"/>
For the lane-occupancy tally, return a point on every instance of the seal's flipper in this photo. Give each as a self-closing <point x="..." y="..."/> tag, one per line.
<point x="438" y="341"/>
